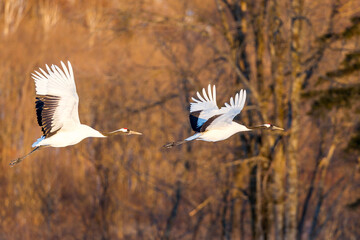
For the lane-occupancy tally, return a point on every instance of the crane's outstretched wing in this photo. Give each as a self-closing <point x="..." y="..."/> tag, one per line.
<point x="202" y="109"/>
<point x="56" y="99"/>
<point x="227" y="113"/>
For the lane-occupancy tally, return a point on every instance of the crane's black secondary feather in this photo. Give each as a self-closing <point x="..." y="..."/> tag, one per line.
<point x="194" y="118"/>
<point x="39" y="107"/>
<point x="198" y="124"/>
<point x="45" y="109"/>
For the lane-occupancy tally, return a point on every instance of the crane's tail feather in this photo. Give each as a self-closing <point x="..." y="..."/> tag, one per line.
<point x="193" y="137"/>
<point x="38" y="141"/>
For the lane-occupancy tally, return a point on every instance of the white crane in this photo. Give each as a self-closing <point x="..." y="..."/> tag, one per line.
<point x="57" y="111"/>
<point x="212" y="124"/>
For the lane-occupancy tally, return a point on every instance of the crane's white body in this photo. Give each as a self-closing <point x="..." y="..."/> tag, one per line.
<point x="219" y="133"/>
<point x="72" y="136"/>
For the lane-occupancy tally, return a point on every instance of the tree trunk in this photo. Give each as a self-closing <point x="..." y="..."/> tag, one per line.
<point x="294" y="123"/>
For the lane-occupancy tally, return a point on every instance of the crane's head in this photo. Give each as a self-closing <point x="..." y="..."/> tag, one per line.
<point x="269" y="126"/>
<point x="125" y="131"/>
<point x="266" y="126"/>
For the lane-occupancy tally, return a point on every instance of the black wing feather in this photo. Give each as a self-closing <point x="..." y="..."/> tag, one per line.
<point x="45" y="109"/>
<point x="194" y="118"/>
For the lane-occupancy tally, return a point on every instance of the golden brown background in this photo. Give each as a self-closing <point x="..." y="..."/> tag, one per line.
<point x="136" y="65"/>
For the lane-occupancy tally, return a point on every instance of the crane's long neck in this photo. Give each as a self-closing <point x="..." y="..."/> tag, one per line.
<point x="116" y="132"/>
<point x="256" y="127"/>
<point x="123" y="131"/>
<point x="240" y="128"/>
<point x="90" y="132"/>
<point x="267" y="126"/>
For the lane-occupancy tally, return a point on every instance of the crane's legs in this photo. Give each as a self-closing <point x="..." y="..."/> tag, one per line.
<point x="18" y="160"/>
<point x="189" y="139"/>
<point x="173" y="144"/>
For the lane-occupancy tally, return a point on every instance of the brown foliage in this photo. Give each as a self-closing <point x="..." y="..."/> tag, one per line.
<point x="136" y="65"/>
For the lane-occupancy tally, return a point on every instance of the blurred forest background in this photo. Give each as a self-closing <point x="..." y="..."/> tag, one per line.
<point x="136" y="65"/>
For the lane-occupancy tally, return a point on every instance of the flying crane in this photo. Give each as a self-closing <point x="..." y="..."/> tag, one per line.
<point x="57" y="111"/>
<point x="212" y="124"/>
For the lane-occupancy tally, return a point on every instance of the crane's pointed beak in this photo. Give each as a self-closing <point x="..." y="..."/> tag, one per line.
<point x="277" y="128"/>
<point x="134" y="133"/>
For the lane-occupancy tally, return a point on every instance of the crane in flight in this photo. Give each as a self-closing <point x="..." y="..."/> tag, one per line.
<point x="212" y="124"/>
<point x="57" y="111"/>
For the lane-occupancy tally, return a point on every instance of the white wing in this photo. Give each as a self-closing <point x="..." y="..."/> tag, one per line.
<point x="230" y="110"/>
<point x="203" y="108"/>
<point x="57" y="104"/>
